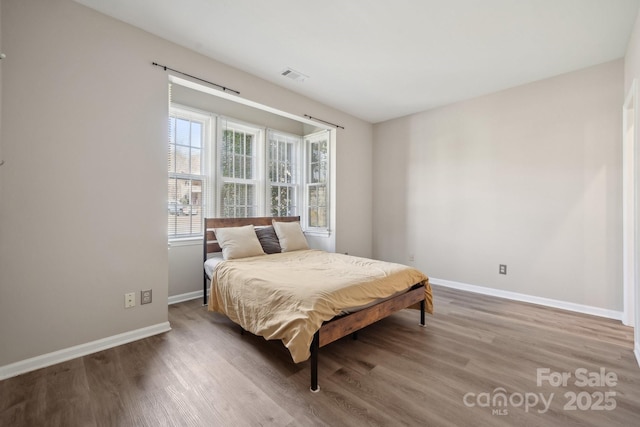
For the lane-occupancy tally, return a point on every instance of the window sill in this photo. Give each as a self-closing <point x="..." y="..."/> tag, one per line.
<point x="318" y="233"/>
<point x="185" y="241"/>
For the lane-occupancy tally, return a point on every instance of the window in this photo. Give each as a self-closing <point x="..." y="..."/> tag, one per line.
<point x="186" y="179"/>
<point x="245" y="171"/>
<point x="282" y="171"/>
<point x="317" y="196"/>
<point x="238" y="170"/>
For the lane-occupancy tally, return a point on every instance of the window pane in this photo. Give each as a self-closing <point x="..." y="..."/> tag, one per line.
<point x="227" y="138"/>
<point x="226" y="159"/>
<point x="323" y="172"/>
<point x="183" y="225"/>
<point x="272" y="172"/>
<point x="184" y="207"/>
<point x="196" y="222"/>
<point x="251" y="194"/>
<point x="196" y="155"/>
<point x="272" y="152"/>
<point x="315" y="172"/>
<point x="313" y="196"/>
<point x="322" y="195"/>
<point x="248" y="167"/>
<point x="228" y="195"/>
<point x="323" y="151"/>
<point x="313" y="217"/>
<point x="182" y="132"/>
<point x="196" y="193"/>
<point x="322" y="217"/>
<point x="238" y="143"/>
<point x="237" y="167"/>
<point x="196" y="134"/>
<point x="183" y="191"/>
<point x="275" y="202"/>
<point x="238" y="200"/>
<point x="172" y="190"/>
<point x="248" y="145"/>
<point x="241" y="195"/>
<point x="182" y="159"/>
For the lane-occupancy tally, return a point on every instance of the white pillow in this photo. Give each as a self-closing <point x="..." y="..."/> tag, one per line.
<point x="238" y="242"/>
<point x="290" y="236"/>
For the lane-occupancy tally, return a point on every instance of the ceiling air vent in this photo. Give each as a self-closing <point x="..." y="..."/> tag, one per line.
<point x="294" y="75"/>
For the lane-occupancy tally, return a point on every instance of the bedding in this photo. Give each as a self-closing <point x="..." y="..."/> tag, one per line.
<point x="290" y="236"/>
<point x="268" y="239"/>
<point x="238" y="242"/>
<point x="211" y="262"/>
<point x="288" y="296"/>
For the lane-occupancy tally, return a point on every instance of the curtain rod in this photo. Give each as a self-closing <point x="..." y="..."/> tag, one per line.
<point x="224" y="88"/>
<point x="324" y="121"/>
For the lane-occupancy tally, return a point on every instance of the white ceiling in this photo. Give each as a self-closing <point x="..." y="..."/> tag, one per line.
<point x="381" y="59"/>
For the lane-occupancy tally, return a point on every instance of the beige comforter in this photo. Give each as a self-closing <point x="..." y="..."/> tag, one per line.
<point x="287" y="296"/>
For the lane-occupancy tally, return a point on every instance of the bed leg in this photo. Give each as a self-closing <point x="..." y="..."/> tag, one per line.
<point x="422" y="306"/>
<point x="315" y="346"/>
<point x="204" y="291"/>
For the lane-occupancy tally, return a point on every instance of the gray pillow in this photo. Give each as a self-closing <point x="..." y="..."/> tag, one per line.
<point x="269" y="240"/>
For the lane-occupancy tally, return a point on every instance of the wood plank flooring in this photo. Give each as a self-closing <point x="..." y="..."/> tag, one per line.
<point x="204" y="373"/>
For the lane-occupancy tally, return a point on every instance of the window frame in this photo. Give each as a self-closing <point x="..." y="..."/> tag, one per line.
<point x="257" y="163"/>
<point x="297" y="179"/>
<point x="307" y="141"/>
<point x="183" y="112"/>
<point x="213" y="180"/>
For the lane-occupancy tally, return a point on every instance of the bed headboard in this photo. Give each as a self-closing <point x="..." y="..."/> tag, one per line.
<point x="210" y="241"/>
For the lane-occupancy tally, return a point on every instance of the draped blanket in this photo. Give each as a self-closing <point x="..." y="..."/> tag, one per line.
<point x="287" y="296"/>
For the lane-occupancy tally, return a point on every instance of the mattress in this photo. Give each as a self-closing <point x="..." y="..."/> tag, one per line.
<point x="287" y="296"/>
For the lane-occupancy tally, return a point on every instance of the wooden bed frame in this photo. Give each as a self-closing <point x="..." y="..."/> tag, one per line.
<point x="337" y="327"/>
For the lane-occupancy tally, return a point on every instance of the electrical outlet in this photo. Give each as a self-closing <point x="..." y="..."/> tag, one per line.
<point x="502" y="269"/>
<point x="129" y="300"/>
<point x="412" y="258"/>
<point x="145" y="296"/>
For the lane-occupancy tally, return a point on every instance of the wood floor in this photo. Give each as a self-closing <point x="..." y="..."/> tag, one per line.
<point x="204" y="373"/>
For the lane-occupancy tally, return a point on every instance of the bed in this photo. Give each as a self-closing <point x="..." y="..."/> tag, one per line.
<point x="304" y="297"/>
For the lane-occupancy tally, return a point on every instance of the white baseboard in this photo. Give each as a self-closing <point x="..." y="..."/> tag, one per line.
<point x="185" y="297"/>
<point x="570" y="306"/>
<point x="636" y="351"/>
<point x="65" y="354"/>
<point x="27" y="365"/>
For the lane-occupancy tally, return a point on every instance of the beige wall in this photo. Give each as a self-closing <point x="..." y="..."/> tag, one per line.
<point x="529" y="177"/>
<point x="81" y="106"/>
<point x="631" y="72"/>
<point x="185" y="267"/>
<point x="632" y="57"/>
<point x="1" y="62"/>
